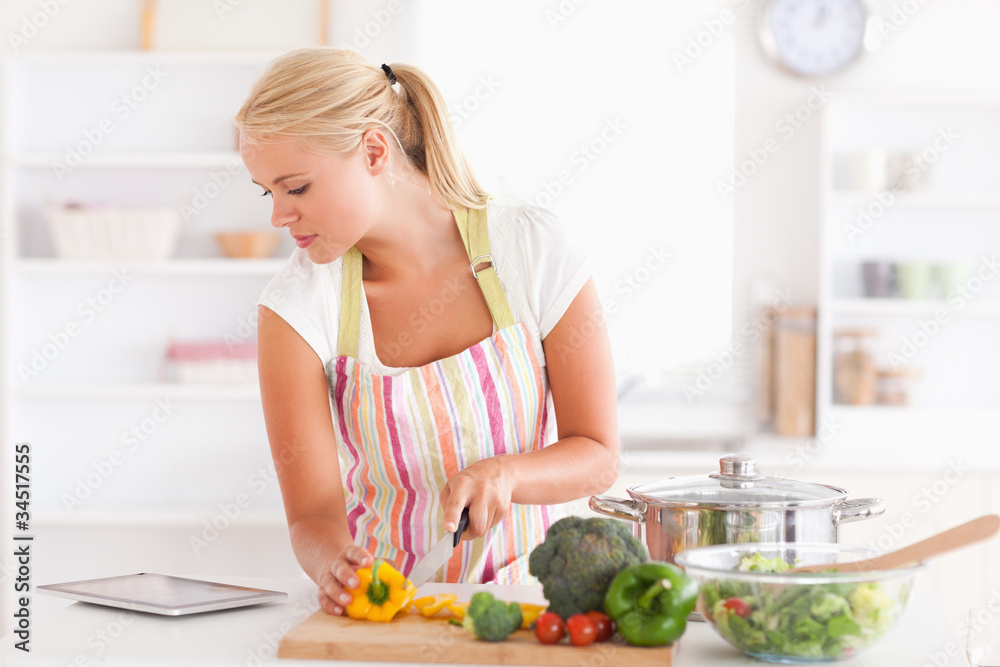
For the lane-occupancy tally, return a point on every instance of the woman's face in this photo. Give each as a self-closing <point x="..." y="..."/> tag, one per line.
<point x="325" y="202"/>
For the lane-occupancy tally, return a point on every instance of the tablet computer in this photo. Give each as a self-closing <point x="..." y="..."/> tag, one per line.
<point x="161" y="594"/>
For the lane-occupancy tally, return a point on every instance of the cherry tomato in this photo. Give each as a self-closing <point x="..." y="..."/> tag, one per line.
<point x="549" y="627"/>
<point x="582" y="631"/>
<point x="738" y="606"/>
<point x="603" y="624"/>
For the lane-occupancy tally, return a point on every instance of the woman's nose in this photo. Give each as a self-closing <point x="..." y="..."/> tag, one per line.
<point x="282" y="215"/>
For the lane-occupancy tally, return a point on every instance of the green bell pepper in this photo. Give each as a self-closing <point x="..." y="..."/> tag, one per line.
<point x="650" y="603"/>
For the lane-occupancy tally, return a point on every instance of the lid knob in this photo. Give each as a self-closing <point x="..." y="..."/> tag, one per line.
<point x="737" y="471"/>
<point x="738" y="465"/>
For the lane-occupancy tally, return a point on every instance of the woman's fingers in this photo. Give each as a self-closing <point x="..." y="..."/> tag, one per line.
<point x="453" y="502"/>
<point x="328" y="605"/>
<point x="341" y="578"/>
<point x="337" y="593"/>
<point x="482" y="515"/>
<point x="482" y="487"/>
<point x="479" y="520"/>
<point x="359" y="556"/>
<point x="344" y="576"/>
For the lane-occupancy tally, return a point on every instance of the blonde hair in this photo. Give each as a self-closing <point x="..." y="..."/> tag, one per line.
<point x="333" y="96"/>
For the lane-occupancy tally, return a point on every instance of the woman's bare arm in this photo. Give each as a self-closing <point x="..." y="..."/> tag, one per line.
<point x="304" y="449"/>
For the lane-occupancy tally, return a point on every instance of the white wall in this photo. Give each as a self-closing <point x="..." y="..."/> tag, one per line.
<point x="941" y="46"/>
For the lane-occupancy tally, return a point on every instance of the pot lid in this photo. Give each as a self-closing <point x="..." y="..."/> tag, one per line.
<point x="737" y="484"/>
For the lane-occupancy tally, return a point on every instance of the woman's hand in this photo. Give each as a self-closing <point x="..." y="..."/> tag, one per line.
<point x="485" y="488"/>
<point x="339" y="578"/>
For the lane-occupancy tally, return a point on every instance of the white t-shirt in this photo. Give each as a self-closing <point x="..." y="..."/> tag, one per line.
<point x="540" y="266"/>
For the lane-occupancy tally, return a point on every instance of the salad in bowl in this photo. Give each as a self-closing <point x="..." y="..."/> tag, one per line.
<point x="754" y="603"/>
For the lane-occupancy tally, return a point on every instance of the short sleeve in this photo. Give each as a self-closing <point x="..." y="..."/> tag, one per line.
<point x="301" y="295"/>
<point x="556" y="265"/>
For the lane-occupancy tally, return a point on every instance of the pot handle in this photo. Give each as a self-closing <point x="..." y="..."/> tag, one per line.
<point x="619" y="508"/>
<point x="859" y="508"/>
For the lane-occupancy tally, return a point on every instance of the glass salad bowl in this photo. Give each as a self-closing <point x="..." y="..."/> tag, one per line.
<point x="798" y="618"/>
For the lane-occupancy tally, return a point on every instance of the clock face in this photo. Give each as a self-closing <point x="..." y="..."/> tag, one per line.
<point x="814" y="37"/>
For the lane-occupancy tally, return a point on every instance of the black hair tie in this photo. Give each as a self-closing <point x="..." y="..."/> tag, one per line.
<point x="388" y="73"/>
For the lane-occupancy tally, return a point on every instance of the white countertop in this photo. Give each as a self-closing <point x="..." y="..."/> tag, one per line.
<point x="83" y="634"/>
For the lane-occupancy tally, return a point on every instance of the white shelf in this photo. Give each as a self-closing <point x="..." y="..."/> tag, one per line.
<point x="118" y="392"/>
<point x="138" y="160"/>
<point x="906" y="412"/>
<point x="961" y="221"/>
<point x="963" y="200"/>
<point x="208" y="266"/>
<point x="910" y="307"/>
<point x="975" y="100"/>
<point x="45" y="519"/>
<point x="140" y="57"/>
<point x="161" y="157"/>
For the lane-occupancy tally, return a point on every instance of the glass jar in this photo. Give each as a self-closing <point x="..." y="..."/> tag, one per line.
<point x="855" y="378"/>
<point x="896" y="385"/>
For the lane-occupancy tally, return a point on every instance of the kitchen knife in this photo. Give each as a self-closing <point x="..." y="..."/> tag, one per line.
<point x="439" y="554"/>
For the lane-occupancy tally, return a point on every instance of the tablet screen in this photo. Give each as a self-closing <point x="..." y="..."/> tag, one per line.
<point x="162" y="594"/>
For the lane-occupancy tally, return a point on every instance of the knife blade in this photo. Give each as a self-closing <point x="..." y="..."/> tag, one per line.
<point x="439" y="554"/>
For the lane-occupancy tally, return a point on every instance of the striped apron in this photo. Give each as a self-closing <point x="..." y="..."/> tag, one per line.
<point x="402" y="437"/>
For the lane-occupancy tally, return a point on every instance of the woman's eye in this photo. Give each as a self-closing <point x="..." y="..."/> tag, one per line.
<point x="267" y="193"/>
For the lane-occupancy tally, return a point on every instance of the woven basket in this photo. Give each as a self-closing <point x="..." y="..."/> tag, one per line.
<point x="113" y="233"/>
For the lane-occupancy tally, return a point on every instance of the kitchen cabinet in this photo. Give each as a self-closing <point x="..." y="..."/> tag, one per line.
<point x="114" y="444"/>
<point x="910" y="194"/>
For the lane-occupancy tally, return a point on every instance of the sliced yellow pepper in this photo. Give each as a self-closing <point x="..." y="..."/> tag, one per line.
<point x="530" y="613"/>
<point x="458" y="609"/>
<point x="382" y="592"/>
<point x="430" y="605"/>
<point x="411" y="590"/>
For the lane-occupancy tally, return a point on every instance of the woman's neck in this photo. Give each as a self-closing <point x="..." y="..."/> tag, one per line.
<point x="417" y="235"/>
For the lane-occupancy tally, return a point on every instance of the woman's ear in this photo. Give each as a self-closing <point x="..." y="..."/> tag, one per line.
<point x="376" y="150"/>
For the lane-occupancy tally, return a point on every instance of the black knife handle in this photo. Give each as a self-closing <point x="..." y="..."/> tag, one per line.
<point x="463" y="523"/>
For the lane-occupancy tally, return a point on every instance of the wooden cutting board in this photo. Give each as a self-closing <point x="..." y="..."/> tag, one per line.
<point x="413" y="638"/>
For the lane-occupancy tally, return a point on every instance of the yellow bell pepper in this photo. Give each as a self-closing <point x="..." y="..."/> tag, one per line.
<point x="381" y="593"/>
<point x="530" y="613"/>
<point x="458" y="609"/>
<point x="430" y="605"/>
<point x="411" y="590"/>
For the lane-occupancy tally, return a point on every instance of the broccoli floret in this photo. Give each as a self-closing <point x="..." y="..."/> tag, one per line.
<point x="491" y="619"/>
<point x="757" y="563"/>
<point x="826" y="605"/>
<point x="578" y="560"/>
<point x="872" y="607"/>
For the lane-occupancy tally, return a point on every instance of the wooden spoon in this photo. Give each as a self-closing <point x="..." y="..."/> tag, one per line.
<point x="968" y="533"/>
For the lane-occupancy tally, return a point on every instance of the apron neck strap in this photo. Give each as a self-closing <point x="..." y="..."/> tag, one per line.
<point x="350" y="304"/>
<point x="475" y="235"/>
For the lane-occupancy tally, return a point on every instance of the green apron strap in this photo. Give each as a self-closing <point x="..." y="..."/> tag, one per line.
<point x="476" y="236"/>
<point x="350" y="304"/>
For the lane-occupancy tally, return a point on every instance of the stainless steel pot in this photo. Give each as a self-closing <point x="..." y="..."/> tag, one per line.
<point x="736" y="504"/>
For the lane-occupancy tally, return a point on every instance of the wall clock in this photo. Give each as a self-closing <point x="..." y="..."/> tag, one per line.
<point x="813" y="37"/>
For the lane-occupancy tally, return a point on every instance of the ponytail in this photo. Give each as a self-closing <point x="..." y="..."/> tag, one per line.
<point x="334" y="96"/>
<point x="432" y="146"/>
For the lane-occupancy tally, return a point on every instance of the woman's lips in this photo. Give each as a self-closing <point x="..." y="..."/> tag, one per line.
<point x="303" y="241"/>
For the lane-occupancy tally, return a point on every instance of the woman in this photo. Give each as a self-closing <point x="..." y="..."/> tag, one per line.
<point x="412" y="350"/>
